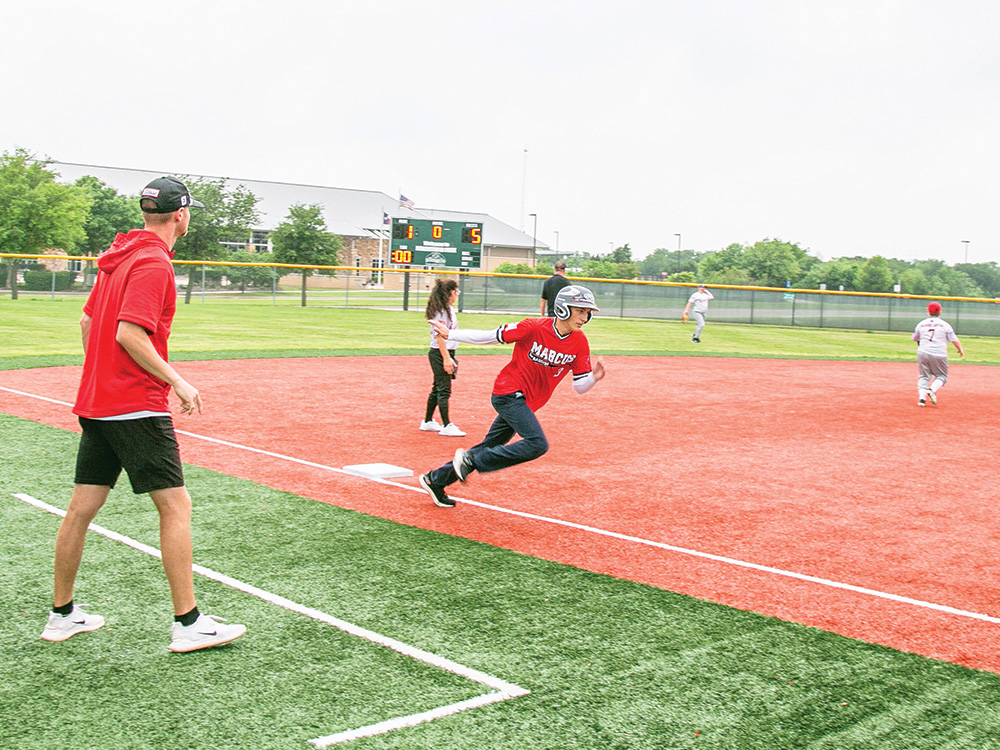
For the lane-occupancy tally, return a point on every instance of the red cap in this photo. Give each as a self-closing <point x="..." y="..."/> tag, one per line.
<point x="934" y="308"/>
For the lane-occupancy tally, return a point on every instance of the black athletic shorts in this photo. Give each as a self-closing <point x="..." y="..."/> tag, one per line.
<point x="146" y="448"/>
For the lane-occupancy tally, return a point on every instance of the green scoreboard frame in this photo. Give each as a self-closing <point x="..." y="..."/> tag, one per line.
<point x="429" y="242"/>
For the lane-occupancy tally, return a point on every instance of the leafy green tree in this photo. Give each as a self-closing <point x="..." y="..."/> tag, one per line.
<point x="958" y="284"/>
<point x="303" y="239"/>
<point x="229" y="213"/>
<point x="36" y="212"/>
<point x="985" y="275"/>
<point x="601" y="268"/>
<point x="913" y="281"/>
<point x="773" y="263"/>
<point x="874" y="276"/>
<point x="110" y="213"/>
<point x="731" y="275"/>
<point x="617" y="264"/>
<point x="663" y="261"/>
<point x="524" y="268"/>
<point x="722" y="260"/>
<point x="621" y="254"/>
<point x="685" y="277"/>
<point x="249" y="277"/>
<point x="543" y="269"/>
<point x="837" y="273"/>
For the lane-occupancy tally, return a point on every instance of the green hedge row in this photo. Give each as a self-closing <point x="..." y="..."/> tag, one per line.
<point x="41" y="281"/>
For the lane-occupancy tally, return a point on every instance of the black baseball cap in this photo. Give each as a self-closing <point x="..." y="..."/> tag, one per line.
<point x="164" y="195"/>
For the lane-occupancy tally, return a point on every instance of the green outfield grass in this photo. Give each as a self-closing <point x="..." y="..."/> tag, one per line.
<point x="609" y="663"/>
<point x="42" y="332"/>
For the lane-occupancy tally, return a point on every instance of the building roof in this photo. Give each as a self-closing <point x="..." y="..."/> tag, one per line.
<point x="347" y="212"/>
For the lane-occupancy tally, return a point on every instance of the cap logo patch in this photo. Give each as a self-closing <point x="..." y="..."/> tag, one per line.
<point x="151" y="192"/>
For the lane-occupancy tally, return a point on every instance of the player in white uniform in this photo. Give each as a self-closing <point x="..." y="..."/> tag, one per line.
<point x="933" y="335"/>
<point x="700" y="301"/>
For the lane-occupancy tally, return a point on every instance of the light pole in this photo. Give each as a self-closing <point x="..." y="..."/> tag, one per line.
<point x="534" y="234"/>
<point x="677" y="268"/>
<point x="556" y="232"/>
<point x="966" y="243"/>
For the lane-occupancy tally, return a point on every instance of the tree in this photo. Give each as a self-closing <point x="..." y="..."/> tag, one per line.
<point x="302" y="239"/>
<point x="874" y="276"/>
<point x="543" y="269"/>
<point x="773" y="263"/>
<point x="523" y="268"/>
<point x="841" y="272"/>
<point x="254" y="277"/>
<point x="228" y="214"/>
<point x="617" y="264"/>
<point x="36" y="212"/>
<point x="722" y="260"/>
<point x="110" y="213"/>
<point x="985" y="275"/>
<point x="686" y="277"/>
<point x="664" y="261"/>
<point x="732" y="276"/>
<point x="913" y="281"/>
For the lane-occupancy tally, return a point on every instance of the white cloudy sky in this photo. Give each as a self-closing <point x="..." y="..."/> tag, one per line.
<point x="853" y="127"/>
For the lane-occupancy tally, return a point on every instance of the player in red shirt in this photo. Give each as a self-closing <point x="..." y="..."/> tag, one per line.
<point x="545" y="351"/>
<point x="125" y="417"/>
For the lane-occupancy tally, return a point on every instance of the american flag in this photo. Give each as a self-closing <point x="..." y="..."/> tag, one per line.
<point x="405" y="202"/>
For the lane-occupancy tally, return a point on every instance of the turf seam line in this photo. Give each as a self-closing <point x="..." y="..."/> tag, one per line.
<point x="611" y="534"/>
<point x="503" y="690"/>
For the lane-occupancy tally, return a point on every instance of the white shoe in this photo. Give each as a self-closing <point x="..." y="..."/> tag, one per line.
<point x="933" y="397"/>
<point x="61" y="627"/>
<point x="431" y="426"/>
<point x="207" y="631"/>
<point x="451" y="430"/>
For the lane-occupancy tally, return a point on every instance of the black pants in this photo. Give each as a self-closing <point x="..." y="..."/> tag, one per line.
<point x="441" y="390"/>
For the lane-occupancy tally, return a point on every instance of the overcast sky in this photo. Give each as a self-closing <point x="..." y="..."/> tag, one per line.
<point x="852" y="127"/>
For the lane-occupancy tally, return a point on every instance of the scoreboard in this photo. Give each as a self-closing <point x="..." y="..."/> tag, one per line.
<point x="429" y="242"/>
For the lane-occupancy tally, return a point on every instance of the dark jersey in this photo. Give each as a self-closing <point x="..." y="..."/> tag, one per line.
<point x="550" y="289"/>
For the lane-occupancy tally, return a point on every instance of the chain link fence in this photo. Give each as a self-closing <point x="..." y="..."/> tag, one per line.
<point x="401" y="289"/>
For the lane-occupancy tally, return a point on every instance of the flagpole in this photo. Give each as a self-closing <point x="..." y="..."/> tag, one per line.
<point x="524" y="184"/>
<point x="380" y="264"/>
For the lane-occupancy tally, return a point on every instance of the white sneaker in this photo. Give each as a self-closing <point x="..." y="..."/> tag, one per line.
<point x="451" y="430"/>
<point x="61" y="627"/>
<point x="431" y="426"/>
<point x="933" y="397"/>
<point x="207" y="631"/>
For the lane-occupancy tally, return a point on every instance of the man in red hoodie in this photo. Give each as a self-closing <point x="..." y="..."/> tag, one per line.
<point x="125" y="417"/>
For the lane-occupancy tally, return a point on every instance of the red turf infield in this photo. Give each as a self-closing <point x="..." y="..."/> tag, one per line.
<point x="826" y="469"/>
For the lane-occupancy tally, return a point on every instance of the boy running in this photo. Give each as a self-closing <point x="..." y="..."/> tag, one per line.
<point x="933" y="335"/>
<point x="545" y="351"/>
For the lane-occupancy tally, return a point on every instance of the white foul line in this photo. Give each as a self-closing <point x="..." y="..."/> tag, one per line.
<point x="610" y="534"/>
<point x="503" y="690"/>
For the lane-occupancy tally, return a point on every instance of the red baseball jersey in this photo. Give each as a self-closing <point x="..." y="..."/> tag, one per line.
<point x="541" y="358"/>
<point x="135" y="284"/>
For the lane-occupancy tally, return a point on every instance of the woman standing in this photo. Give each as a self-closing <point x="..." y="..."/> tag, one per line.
<point x="441" y="308"/>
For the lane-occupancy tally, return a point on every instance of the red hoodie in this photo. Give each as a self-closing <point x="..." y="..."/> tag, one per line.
<point x="135" y="284"/>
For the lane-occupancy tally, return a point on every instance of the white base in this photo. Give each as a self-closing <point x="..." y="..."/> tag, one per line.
<point x="378" y="471"/>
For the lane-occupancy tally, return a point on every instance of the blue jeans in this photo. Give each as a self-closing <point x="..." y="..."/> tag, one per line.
<point x="493" y="453"/>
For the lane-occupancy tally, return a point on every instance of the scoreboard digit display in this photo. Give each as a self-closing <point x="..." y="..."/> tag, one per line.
<point x="430" y="242"/>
